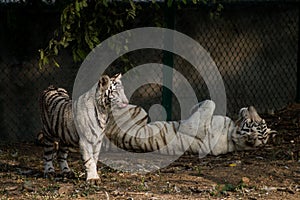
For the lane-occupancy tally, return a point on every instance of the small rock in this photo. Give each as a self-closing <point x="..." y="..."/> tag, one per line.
<point x="245" y="180"/>
<point x="146" y="185"/>
<point x="11" y="188"/>
<point x="24" y="172"/>
<point x="14" y="154"/>
<point x="269" y="188"/>
<point x="67" y="189"/>
<point x="28" y="186"/>
<point x="176" y="189"/>
<point x="153" y="198"/>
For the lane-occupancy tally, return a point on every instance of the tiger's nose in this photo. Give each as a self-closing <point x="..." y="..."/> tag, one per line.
<point x="125" y="101"/>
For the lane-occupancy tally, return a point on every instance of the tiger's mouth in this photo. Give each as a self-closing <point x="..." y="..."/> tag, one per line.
<point x="122" y="104"/>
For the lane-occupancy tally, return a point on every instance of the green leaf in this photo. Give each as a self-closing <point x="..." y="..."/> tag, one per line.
<point x="55" y="50"/>
<point x="45" y="61"/>
<point x="220" y="7"/>
<point x="169" y="3"/>
<point x="105" y="3"/>
<point x="88" y="40"/>
<point x="84" y="3"/>
<point x="55" y="63"/>
<point x="77" y="6"/>
<point x="81" y="54"/>
<point x="95" y="40"/>
<point x="132" y="4"/>
<point x="121" y="23"/>
<point x="41" y="54"/>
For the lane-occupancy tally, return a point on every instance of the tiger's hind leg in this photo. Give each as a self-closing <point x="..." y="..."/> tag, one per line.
<point x="62" y="156"/>
<point x="49" y="155"/>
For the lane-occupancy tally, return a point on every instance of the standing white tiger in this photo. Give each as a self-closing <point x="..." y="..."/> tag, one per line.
<point x="59" y="131"/>
<point x="90" y="113"/>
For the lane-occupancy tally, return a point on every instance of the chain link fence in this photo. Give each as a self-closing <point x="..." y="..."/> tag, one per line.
<point x="254" y="45"/>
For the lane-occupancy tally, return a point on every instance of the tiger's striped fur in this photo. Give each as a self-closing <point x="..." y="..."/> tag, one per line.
<point x="202" y="133"/>
<point x="91" y="112"/>
<point x="59" y="129"/>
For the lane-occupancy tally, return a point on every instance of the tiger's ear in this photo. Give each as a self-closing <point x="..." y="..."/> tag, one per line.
<point x="104" y="82"/>
<point x="254" y="115"/>
<point x="243" y="113"/>
<point x="118" y="76"/>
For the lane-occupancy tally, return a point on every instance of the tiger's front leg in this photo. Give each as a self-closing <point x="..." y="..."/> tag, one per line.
<point x="89" y="162"/>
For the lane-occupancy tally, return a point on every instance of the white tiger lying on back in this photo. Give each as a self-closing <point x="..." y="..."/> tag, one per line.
<point x="202" y="133"/>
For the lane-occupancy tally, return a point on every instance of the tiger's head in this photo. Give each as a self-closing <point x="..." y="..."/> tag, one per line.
<point x="252" y="130"/>
<point x="111" y="92"/>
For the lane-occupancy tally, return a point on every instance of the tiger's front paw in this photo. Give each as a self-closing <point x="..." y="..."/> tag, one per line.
<point x="94" y="181"/>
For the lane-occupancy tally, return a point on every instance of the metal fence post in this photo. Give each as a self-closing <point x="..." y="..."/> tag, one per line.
<point x="169" y="14"/>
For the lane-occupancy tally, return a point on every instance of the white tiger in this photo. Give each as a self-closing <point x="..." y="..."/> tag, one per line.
<point x="90" y="113"/>
<point x="59" y="131"/>
<point x="202" y="133"/>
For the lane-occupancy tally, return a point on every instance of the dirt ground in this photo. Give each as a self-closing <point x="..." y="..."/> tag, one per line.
<point x="272" y="172"/>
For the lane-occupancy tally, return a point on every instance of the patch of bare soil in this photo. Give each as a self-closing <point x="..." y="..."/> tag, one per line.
<point x="272" y="172"/>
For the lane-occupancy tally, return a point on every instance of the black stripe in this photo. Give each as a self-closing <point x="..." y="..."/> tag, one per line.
<point x="47" y="153"/>
<point x="150" y="143"/>
<point x="122" y="115"/>
<point x="130" y="143"/>
<point x="92" y="130"/>
<point x="47" y="160"/>
<point x="136" y="112"/>
<point x="181" y="143"/>
<point x="50" y="98"/>
<point x="145" y="147"/>
<point x="63" y="149"/>
<point x="56" y="121"/>
<point x="54" y="117"/>
<point x="137" y="123"/>
<point x="163" y="137"/>
<point x="137" y="143"/>
<point x="86" y="161"/>
<point x="62" y="122"/>
<point x="123" y="139"/>
<point x="54" y="103"/>
<point x="96" y="117"/>
<point x="74" y="137"/>
<point x="245" y="129"/>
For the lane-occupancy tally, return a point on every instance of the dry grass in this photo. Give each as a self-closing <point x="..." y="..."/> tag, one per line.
<point x="269" y="173"/>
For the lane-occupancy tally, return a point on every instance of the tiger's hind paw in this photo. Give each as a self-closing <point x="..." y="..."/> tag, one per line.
<point x="69" y="175"/>
<point x="50" y="175"/>
<point x="94" y="181"/>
